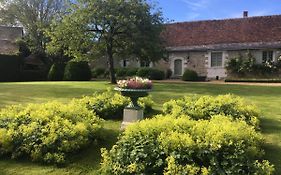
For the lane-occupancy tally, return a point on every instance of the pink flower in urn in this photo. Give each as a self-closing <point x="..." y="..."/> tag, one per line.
<point x="135" y="83"/>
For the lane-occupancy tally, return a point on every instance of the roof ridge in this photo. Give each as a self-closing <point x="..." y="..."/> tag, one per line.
<point x="226" y="19"/>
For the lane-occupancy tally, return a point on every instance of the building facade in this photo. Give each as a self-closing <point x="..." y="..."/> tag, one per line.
<point x="206" y="46"/>
<point x="8" y="37"/>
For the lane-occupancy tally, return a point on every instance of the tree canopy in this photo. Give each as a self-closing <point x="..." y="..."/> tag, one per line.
<point x="111" y="28"/>
<point x="35" y="16"/>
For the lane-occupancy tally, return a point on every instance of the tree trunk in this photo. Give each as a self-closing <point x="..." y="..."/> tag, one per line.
<point x="111" y="65"/>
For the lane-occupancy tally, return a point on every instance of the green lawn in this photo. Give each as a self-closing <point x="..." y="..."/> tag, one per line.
<point x="268" y="99"/>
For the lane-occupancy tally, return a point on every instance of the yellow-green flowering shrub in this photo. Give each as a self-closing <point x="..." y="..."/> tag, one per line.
<point x="46" y="132"/>
<point x="179" y="145"/>
<point x="110" y="104"/>
<point x="205" y="107"/>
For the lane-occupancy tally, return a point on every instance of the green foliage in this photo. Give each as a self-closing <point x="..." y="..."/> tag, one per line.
<point x="98" y="72"/>
<point x="189" y="75"/>
<point x="10" y="67"/>
<point x="33" y="75"/>
<point x="34" y="16"/>
<point x="110" y="105"/>
<point x="56" y="72"/>
<point x="174" y="168"/>
<point x="151" y="73"/>
<point x="132" y="72"/>
<point x="122" y="29"/>
<point x="121" y="72"/>
<point x="168" y="73"/>
<point x="246" y="66"/>
<point x="46" y="132"/>
<point x="170" y="145"/>
<point x="126" y="72"/>
<point x="205" y="107"/>
<point x="77" y="71"/>
<point x="24" y="50"/>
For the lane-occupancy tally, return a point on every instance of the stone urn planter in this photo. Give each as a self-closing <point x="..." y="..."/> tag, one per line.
<point x="134" y="95"/>
<point x="133" y="88"/>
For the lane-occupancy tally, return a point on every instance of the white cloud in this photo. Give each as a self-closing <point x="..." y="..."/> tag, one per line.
<point x="196" y="4"/>
<point x="192" y="16"/>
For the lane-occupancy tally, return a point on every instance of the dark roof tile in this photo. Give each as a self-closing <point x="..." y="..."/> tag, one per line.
<point x="208" y="32"/>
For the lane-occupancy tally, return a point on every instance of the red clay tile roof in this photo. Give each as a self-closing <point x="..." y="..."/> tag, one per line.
<point x="210" y="32"/>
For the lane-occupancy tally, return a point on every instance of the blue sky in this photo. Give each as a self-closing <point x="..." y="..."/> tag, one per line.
<point x="190" y="10"/>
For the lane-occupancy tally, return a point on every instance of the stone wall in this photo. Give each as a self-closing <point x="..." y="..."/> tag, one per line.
<point x="190" y="60"/>
<point x="8" y="37"/>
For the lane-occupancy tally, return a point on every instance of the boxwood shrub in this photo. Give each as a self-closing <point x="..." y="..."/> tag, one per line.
<point x="190" y="75"/>
<point x="46" y="132"/>
<point x="77" y="71"/>
<point x="121" y="72"/>
<point x="10" y="67"/>
<point x="126" y="72"/>
<point x="132" y="72"/>
<point x="110" y="104"/>
<point x="205" y="107"/>
<point x="169" y="145"/>
<point x="56" y="72"/>
<point x="98" y="72"/>
<point x="151" y="73"/>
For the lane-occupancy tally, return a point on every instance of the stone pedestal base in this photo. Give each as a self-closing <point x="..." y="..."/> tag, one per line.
<point x="130" y="116"/>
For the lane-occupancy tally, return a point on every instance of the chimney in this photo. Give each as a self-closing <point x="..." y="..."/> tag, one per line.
<point x="245" y="14"/>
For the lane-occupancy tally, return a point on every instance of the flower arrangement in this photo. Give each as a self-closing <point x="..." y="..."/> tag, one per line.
<point x="135" y="83"/>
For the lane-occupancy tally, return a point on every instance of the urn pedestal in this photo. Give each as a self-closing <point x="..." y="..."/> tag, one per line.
<point x="133" y="112"/>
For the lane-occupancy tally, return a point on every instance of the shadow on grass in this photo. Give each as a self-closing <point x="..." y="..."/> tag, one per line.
<point x="272" y="153"/>
<point x="270" y="125"/>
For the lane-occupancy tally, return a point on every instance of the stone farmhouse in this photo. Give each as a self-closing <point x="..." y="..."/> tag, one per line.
<point x="8" y="37"/>
<point x="206" y="46"/>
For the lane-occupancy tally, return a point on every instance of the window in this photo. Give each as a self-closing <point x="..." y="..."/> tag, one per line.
<point x="267" y="56"/>
<point x="216" y="59"/>
<point x="125" y="63"/>
<point x="144" y="63"/>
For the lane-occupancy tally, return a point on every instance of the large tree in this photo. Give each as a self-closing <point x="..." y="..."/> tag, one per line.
<point x="35" y="16"/>
<point x="110" y="28"/>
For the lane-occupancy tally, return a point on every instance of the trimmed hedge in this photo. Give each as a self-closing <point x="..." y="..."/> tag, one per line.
<point x="254" y="80"/>
<point x="205" y="107"/>
<point x="98" y="73"/>
<point x="10" y="67"/>
<point x="33" y="75"/>
<point x="169" y="73"/>
<point x="169" y="145"/>
<point x="46" y="132"/>
<point x="110" y="105"/>
<point x="190" y="75"/>
<point x="121" y="72"/>
<point x="132" y="72"/>
<point x="126" y="72"/>
<point x="151" y="73"/>
<point x="56" y="72"/>
<point x="77" y="71"/>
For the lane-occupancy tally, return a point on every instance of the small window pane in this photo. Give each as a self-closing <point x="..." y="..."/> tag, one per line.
<point x="270" y="55"/>
<point x="216" y="59"/>
<point x="267" y="56"/>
